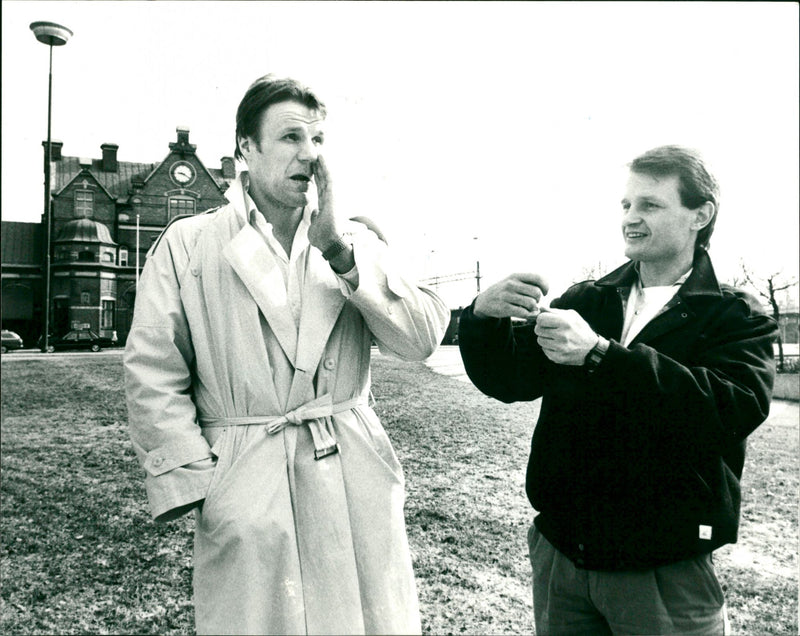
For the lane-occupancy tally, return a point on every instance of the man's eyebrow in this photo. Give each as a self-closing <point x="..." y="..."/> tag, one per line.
<point x="292" y="127"/>
<point x="651" y="198"/>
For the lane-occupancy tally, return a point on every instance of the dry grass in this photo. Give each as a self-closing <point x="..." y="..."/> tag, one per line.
<point x="78" y="553"/>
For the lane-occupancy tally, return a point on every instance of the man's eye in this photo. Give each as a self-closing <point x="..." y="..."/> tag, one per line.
<point x="292" y="137"/>
<point x="319" y="140"/>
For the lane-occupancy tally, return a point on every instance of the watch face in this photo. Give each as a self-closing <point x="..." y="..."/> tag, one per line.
<point x="182" y="173"/>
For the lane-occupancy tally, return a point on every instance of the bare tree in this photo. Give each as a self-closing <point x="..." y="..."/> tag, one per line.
<point x="767" y="287"/>
<point x="592" y="272"/>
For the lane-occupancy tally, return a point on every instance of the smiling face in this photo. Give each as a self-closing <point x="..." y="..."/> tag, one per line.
<point x="280" y="158"/>
<point x="658" y="230"/>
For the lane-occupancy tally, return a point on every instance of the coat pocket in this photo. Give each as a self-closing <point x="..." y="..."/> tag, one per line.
<point x="218" y="450"/>
<point x="377" y="441"/>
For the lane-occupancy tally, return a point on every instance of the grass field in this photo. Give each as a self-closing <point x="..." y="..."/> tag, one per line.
<point x="79" y="554"/>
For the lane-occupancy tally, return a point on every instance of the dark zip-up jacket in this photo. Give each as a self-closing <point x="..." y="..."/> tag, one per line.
<point x="637" y="464"/>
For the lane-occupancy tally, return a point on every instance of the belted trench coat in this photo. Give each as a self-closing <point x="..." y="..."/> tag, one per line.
<point x="265" y="428"/>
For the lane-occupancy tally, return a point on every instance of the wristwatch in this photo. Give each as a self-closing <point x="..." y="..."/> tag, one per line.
<point x="334" y="249"/>
<point x="596" y="354"/>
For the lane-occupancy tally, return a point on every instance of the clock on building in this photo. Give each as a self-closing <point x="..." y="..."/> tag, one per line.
<point x="182" y="173"/>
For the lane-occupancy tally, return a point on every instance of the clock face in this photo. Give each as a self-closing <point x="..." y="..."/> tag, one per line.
<point x="182" y="173"/>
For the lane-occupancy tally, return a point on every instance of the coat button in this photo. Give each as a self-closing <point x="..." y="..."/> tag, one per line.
<point x="684" y="315"/>
<point x="580" y="547"/>
<point x="329" y="364"/>
<point x="196" y="271"/>
<point x="390" y="309"/>
<point x="158" y="461"/>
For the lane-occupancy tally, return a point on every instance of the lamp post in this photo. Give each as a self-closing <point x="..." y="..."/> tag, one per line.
<point x="477" y="265"/>
<point x="51" y="34"/>
<point x="137" y="251"/>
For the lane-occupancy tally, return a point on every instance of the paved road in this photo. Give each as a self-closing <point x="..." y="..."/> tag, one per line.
<point x="447" y="361"/>
<point x="36" y="354"/>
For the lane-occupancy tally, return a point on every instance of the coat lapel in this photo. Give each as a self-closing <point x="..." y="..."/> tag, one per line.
<point x="255" y="265"/>
<point x="322" y="304"/>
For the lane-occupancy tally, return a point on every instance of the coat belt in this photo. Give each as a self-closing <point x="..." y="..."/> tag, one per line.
<point x="315" y="413"/>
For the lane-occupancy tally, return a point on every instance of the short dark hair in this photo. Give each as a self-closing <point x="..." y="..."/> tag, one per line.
<point x="696" y="185"/>
<point x="265" y="92"/>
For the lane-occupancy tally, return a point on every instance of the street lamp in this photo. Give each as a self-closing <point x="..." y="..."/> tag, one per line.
<point x="477" y="265"/>
<point x="51" y="34"/>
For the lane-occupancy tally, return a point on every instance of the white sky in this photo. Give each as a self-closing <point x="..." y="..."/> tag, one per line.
<point x="510" y="122"/>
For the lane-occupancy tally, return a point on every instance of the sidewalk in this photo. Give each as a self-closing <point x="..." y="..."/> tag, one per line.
<point x="447" y="361"/>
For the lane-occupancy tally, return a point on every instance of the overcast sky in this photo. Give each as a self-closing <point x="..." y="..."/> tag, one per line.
<point x="509" y="122"/>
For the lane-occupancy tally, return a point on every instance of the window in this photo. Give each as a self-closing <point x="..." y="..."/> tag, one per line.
<point x="85" y="298"/>
<point x="180" y="206"/>
<point x="107" y="315"/>
<point x="108" y="257"/>
<point x="123" y="257"/>
<point x="84" y="204"/>
<point x="86" y="256"/>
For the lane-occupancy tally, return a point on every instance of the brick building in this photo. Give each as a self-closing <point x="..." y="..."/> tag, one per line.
<point x="97" y="206"/>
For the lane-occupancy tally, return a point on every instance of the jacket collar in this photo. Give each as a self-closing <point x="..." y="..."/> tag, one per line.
<point x="251" y="259"/>
<point x="702" y="280"/>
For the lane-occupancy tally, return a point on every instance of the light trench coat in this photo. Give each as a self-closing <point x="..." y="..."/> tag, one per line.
<point x="235" y="409"/>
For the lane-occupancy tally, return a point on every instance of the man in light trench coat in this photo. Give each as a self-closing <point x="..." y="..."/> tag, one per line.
<point x="247" y="374"/>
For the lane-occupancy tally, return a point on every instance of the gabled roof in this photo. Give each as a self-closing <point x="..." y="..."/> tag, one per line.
<point x="110" y="195"/>
<point x="116" y="183"/>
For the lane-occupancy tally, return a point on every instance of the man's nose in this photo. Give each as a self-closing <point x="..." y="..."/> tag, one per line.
<point x="630" y="216"/>
<point x="308" y="151"/>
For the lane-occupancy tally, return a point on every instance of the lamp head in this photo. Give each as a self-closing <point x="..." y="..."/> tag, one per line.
<point x="51" y="33"/>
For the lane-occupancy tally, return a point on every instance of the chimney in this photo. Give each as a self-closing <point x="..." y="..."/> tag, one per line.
<point x="182" y="145"/>
<point x="55" y="149"/>
<point x="109" y="157"/>
<point x="228" y="168"/>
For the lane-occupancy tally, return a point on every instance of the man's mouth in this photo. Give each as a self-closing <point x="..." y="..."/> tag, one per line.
<point x="300" y="177"/>
<point x="635" y="235"/>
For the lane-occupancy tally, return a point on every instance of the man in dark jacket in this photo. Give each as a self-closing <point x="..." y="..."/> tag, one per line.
<point x="651" y="380"/>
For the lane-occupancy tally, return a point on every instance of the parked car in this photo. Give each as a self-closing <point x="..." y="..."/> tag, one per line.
<point x="11" y="341"/>
<point x="78" y="339"/>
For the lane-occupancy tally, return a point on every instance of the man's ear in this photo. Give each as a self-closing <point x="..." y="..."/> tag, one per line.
<point x="244" y="145"/>
<point x="703" y="215"/>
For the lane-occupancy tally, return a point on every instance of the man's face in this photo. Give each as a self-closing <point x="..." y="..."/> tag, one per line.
<point x="656" y="227"/>
<point x="280" y="157"/>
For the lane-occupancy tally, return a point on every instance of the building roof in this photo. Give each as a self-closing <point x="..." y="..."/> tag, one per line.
<point x="21" y="243"/>
<point x="118" y="183"/>
<point x="85" y="230"/>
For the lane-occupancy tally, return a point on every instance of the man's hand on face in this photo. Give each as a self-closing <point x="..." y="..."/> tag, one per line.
<point x="324" y="229"/>
<point x="564" y="336"/>
<point x="516" y="296"/>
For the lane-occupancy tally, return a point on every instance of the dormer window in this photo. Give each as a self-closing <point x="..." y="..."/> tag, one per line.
<point x="123" y="256"/>
<point x="84" y="204"/>
<point x="181" y="205"/>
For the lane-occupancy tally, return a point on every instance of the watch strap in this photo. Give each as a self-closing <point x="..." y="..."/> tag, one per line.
<point x="596" y="354"/>
<point x="334" y="249"/>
